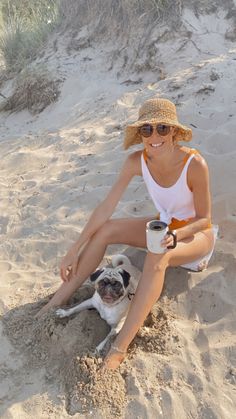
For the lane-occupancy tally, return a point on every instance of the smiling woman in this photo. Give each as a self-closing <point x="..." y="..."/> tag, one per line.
<point x="159" y="113"/>
<point x="178" y="183"/>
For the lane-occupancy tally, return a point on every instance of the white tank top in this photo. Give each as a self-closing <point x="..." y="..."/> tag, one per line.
<point x="173" y="202"/>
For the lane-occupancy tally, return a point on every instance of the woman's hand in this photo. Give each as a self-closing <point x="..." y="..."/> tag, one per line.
<point x="169" y="241"/>
<point x="69" y="264"/>
<point x="113" y="359"/>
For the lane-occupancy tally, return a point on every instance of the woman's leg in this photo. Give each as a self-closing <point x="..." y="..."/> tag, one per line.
<point x="119" y="231"/>
<point x="150" y="287"/>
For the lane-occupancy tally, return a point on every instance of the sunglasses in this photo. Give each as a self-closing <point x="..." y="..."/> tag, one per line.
<point x="146" y="130"/>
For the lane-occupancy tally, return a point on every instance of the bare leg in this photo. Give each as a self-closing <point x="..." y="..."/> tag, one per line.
<point x="94" y="250"/>
<point x="150" y="287"/>
<point x="147" y="293"/>
<point x="125" y="231"/>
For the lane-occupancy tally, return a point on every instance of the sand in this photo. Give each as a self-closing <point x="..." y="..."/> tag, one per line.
<point x="55" y="168"/>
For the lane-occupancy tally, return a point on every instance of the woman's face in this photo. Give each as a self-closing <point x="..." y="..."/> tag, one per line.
<point x="159" y="139"/>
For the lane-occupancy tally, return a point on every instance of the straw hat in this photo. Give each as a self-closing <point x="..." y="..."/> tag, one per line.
<point x="156" y="111"/>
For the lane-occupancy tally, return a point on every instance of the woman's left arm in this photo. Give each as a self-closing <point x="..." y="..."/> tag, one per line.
<point x="198" y="182"/>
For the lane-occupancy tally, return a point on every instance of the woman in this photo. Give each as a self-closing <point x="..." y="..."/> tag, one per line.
<point x="177" y="180"/>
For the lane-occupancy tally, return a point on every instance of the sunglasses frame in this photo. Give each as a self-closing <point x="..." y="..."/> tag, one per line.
<point x="152" y="128"/>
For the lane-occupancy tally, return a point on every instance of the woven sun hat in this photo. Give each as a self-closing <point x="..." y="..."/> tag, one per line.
<point x="156" y="111"/>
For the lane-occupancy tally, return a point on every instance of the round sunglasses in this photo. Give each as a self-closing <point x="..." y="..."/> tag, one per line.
<point x="146" y="130"/>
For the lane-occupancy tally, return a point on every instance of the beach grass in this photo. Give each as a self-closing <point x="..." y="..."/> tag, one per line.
<point x="24" y="29"/>
<point x="25" y="25"/>
<point x="34" y="89"/>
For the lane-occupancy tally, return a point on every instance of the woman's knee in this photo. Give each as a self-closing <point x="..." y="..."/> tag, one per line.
<point x="159" y="262"/>
<point x="107" y="233"/>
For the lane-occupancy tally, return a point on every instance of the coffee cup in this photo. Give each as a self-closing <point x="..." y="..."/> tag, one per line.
<point x="155" y="232"/>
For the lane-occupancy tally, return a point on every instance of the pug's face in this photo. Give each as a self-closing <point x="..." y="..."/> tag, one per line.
<point x="111" y="284"/>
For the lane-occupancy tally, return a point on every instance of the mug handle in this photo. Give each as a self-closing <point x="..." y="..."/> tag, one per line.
<point x="173" y="234"/>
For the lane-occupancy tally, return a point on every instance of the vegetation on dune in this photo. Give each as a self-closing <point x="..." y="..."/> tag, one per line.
<point x="24" y="28"/>
<point x="34" y="89"/>
<point x="112" y="16"/>
<point x="26" y="24"/>
<point x="28" y="11"/>
<point x="130" y="27"/>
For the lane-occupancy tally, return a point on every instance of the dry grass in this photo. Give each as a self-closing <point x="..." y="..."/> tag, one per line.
<point x="24" y="29"/>
<point x="131" y="27"/>
<point x="26" y="24"/>
<point x="34" y="90"/>
<point x="117" y="17"/>
<point x="132" y="19"/>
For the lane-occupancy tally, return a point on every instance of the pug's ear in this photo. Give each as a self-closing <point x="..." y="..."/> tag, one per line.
<point x="95" y="275"/>
<point x="125" y="276"/>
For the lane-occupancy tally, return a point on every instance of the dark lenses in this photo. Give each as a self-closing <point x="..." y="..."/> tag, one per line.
<point x="163" y="129"/>
<point x="146" y="130"/>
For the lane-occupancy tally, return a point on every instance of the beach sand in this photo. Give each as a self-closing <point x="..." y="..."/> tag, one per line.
<point x="55" y="168"/>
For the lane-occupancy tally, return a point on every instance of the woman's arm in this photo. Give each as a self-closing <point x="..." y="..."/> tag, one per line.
<point x="106" y="208"/>
<point x="101" y="214"/>
<point x="198" y="182"/>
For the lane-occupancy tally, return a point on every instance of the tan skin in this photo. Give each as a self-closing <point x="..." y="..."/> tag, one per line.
<point x="195" y="240"/>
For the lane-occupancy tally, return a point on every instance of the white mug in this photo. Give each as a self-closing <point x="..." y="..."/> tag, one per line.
<point x="155" y="232"/>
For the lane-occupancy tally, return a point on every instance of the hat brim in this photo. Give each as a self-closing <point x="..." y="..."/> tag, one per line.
<point x="132" y="135"/>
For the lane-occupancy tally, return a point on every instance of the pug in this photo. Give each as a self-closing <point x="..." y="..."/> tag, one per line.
<point x="114" y="289"/>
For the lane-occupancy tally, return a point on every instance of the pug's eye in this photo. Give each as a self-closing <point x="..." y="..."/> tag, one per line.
<point x="106" y="281"/>
<point x="117" y="285"/>
<point x="103" y="282"/>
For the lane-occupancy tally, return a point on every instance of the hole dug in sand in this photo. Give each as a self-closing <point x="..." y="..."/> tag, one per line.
<point x="154" y="335"/>
<point x="89" y="388"/>
<point x="64" y="349"/>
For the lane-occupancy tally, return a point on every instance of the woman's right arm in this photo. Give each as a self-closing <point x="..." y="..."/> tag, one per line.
<point x="101" y="214"/>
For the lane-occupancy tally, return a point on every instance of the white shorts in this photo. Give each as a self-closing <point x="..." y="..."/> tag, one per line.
<point x="202" y="263"/>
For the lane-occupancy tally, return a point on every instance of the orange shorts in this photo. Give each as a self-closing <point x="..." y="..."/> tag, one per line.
<point x="175" y="224"/>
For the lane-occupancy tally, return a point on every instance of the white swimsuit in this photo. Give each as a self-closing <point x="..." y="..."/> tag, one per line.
<point x="175" y="205"/>
<point x="173" y="202"/>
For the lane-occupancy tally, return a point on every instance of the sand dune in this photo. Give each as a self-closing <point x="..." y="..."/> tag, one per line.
<point x="54" y="169"/>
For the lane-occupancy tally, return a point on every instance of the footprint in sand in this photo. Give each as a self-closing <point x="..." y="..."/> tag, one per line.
<point x="203" y="345"/>
<point x="12" y="277"/>
<point x="3" y="224"/>
<point x="137" y="409"/>
<point x="5" y="266"/>
<point x="207" y="413"/>
<point x="201" y="341"/>
<point x="195" y="382"/>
